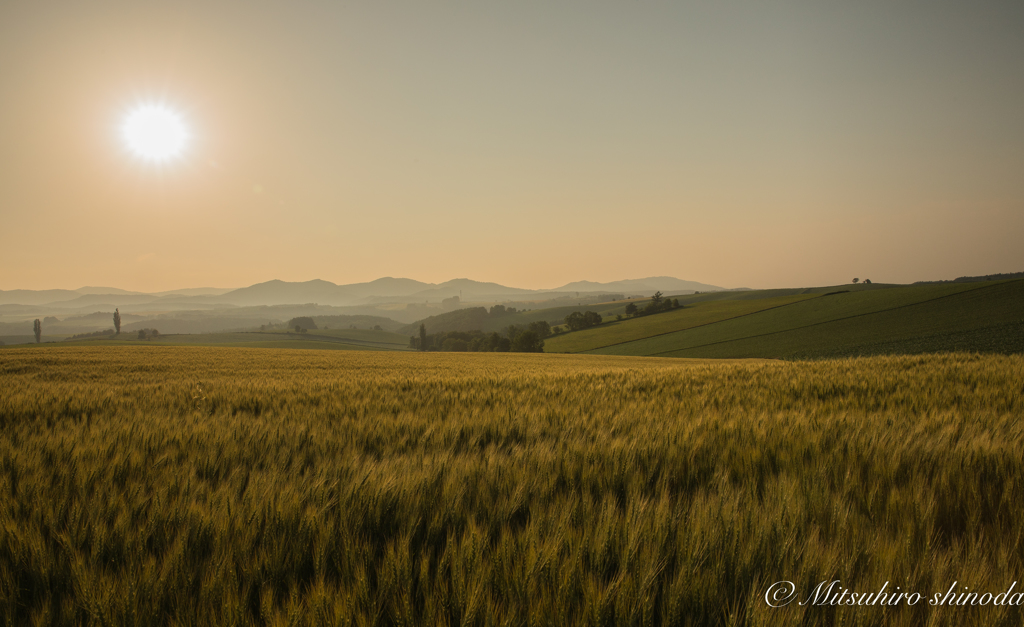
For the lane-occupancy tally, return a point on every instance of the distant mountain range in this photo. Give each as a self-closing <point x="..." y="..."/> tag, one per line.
<point x="382" y="291"/>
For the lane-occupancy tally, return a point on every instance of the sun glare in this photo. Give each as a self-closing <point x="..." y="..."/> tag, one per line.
<point x="154" y="133"/>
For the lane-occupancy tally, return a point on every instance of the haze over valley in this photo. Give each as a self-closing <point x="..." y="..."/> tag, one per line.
<point x="511" y="313"/>
<point x="391" y="302"/>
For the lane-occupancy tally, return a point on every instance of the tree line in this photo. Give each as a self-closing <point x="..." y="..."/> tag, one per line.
<point x="577" y="321"/>
<point x="37" y="330"/>
<point x="514" y="339"/>
<point x="657" y="304"/>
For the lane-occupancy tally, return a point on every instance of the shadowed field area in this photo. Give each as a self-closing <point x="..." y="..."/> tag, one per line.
<point x="231" y="486"/>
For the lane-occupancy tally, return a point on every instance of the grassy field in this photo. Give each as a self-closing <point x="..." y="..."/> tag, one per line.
<point x="323" y="339"/>
<point x="620" y="332"/>
<point x="213" y="486"/>
<point x="971" y="317"/>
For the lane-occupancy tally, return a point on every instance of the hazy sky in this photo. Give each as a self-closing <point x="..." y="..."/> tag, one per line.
<point x="759" y="144"/>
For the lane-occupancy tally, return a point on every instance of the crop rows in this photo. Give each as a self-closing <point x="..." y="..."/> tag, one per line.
<point x="217" y="486"/>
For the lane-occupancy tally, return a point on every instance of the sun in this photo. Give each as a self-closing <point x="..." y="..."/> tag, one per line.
<point x="154" y="132"/>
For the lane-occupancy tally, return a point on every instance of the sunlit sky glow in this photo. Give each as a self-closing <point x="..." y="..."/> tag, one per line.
<point x="527" y="143"/>
<point x="154" y="132"/>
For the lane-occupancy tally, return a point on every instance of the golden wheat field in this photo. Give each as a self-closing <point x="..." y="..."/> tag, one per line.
<point x="223" y="486"/>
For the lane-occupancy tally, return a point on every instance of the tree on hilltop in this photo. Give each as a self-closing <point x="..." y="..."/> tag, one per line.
<point x="577" y="321"/>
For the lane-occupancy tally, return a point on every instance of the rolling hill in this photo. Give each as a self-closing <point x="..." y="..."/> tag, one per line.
<point x="794" y="323"/>
<point x="478" y="318"/>
<point x="386" y="289"/>
<point x="982" y="317"/>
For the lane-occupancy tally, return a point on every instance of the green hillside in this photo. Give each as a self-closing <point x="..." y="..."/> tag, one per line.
<point x="984" y="317"/>
<point x="478" y="318"/>
<point x="618" y="332"/>
<point x="705" y="297"/>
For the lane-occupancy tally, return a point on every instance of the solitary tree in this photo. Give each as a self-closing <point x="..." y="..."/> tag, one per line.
<point x="37" y="328"/>
<point x="631" y="309"/>
<point x="117" y="321"/>
<point x="423" y="336"/>
<point x="856" y="280"/>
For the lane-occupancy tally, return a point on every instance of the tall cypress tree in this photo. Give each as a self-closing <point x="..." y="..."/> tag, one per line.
<point x="117" y="321"/>
<point x="37" y="328"/>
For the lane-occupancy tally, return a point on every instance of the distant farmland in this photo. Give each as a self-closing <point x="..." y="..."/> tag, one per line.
<point x="322" y="339"/>
<point x="798" y="323"/>
<point x="983" y="317"/>
<point x="231" y="486"/>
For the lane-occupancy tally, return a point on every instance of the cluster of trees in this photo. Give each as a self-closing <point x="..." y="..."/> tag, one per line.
<point x="82" y="336"/>
<point x="148" y="334"/>
<point x="302" y="324"/>
<point x="658" y="303"/>
<point x="502" y="310"/>
<point x="866" y="281"/>
<point x="515" y="339"/>
<point x="466" y="319"/>
<point x="577" y="321"/>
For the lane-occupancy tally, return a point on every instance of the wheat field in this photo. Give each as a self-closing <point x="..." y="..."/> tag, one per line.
<point x="221" y="486"/>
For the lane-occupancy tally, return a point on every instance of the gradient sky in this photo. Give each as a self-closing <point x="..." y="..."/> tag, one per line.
<point x="760" y="144"/>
